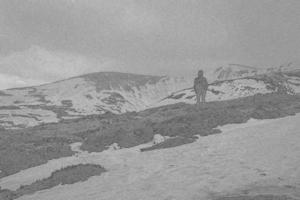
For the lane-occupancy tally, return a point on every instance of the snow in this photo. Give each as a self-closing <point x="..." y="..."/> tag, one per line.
<point x="259" y="152"/>
<point x="76" y="147"/>
<point x="233" y="71"/>
<point x="77" y="89"/>
<point x="237" y="89"/>
<point x="294" y="83"/>
<point x="85" y="96"/>
<point x="27" y="116"/>
<point x="227" y="90"/>
<point x="157" y="138"/>
<point x="114" y="146"/>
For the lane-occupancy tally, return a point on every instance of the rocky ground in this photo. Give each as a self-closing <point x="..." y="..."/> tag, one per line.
<point x="69" y="175"/>
<point x="21" y="149"/>
<point x="254" y="160"/>
<point x="178" y="124"/>
<point x="114" y="92"/>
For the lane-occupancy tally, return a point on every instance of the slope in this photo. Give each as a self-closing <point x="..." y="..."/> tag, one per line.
<point x="102" y="92"/>
<point x="287" y="82"/>
<point x="83" y="95"/>
<point x="256" y="160"/>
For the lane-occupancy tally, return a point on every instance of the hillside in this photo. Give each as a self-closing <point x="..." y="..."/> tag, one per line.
<point x="243" y="85"/>
<point x="139" y="147"/>
<point x="234" y="71"/>
<point x="102" y="92"/>
<point x="254" y="161"/>
<point x="83" y="95"/>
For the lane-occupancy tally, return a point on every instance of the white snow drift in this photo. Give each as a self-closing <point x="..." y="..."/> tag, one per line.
<point x="264" y="154"/>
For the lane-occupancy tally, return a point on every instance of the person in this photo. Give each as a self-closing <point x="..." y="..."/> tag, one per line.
<point x="200" y="87"/>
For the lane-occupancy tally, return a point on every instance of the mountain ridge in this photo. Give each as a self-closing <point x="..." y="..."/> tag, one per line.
<point x="117" y="92"/>
<point x="93" y="93"/>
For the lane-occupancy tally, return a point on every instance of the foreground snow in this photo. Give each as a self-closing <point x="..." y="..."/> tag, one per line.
<point x="261" y="154"/>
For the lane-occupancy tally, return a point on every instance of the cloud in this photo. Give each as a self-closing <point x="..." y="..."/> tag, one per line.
<point x="13" y="81"/>
<point x="126" y="29"/>
<point x="145" y="36"/>
<point x="37" y="63"/>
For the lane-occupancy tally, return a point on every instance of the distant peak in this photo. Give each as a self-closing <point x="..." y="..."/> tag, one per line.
<point x="232" y="71"/>
<point x="117" y="74"/>
<point x="242" y="66"/>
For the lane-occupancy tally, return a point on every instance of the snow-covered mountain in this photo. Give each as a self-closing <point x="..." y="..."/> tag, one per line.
<point x="234" y="71"/>
<point x="247" y="148"/>
<point x="115" y="92"/>
<point x="94" y="93"/>
<point x="239" y="82"/>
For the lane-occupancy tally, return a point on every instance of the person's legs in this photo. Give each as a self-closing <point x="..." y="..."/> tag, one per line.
<point x="198" y="99"/>
<point x="203" y="96"/>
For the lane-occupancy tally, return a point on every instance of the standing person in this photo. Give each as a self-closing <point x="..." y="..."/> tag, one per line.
<point x="200" y="87"/>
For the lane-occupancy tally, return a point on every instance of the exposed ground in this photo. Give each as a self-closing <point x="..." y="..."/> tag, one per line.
<point x="180" y="123"/>
<point x="183" y="120"/>
<point x="69" y="175"/>
<point x="119" y="93"/>
<point x="22" y="149"/>
<point x="256" y="160"/>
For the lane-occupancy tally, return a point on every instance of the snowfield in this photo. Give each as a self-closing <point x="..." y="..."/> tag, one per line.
<point x="259" y="156"/>
<point x="225" y="91"/>
<point x="89" y="94"/>
<point x="115" y="92"/>
<point x="102" y="92"/>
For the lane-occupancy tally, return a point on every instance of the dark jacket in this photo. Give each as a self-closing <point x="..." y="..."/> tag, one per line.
<point x="200" y="84"/>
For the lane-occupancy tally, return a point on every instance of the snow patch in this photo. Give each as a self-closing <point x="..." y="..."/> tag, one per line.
<point x="114" y="147"/>
<point x="257" y="153"/>
<point x="157" y="138"/>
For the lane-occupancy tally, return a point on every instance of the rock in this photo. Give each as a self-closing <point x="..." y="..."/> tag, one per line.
<point x="157" y="138"/>
<point x="114" y="146"/>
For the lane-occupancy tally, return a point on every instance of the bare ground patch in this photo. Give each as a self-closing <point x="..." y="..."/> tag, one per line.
<point x="68" y="175"/>
<point x="24" y="150"/>
<point x="184" y="122"/>
<point x="29" y="147"/>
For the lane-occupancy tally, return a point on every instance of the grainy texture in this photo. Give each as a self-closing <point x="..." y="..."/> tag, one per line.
<point x="68" y="175"/>
<point x="21" y="149"/>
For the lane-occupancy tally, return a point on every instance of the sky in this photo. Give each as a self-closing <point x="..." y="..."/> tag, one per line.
<point x="48" y="40"/>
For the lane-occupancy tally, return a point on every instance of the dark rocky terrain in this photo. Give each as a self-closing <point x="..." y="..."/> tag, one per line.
<point x="68" y="175"/>
<point x="118" y="93"/>
<point x="25" y="148"/>
<point x="181" y="123"/>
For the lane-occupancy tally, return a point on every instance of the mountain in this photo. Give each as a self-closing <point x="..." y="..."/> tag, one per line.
<point x="142" y="155"/>
<point x="241" y="82"/>
<point x="234" y="71"/>
<point x="102" y="92"/>
<point x="88" y="94"/>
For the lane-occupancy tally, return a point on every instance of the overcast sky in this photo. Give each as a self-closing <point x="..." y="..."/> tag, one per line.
<point x="47" y="40"/>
